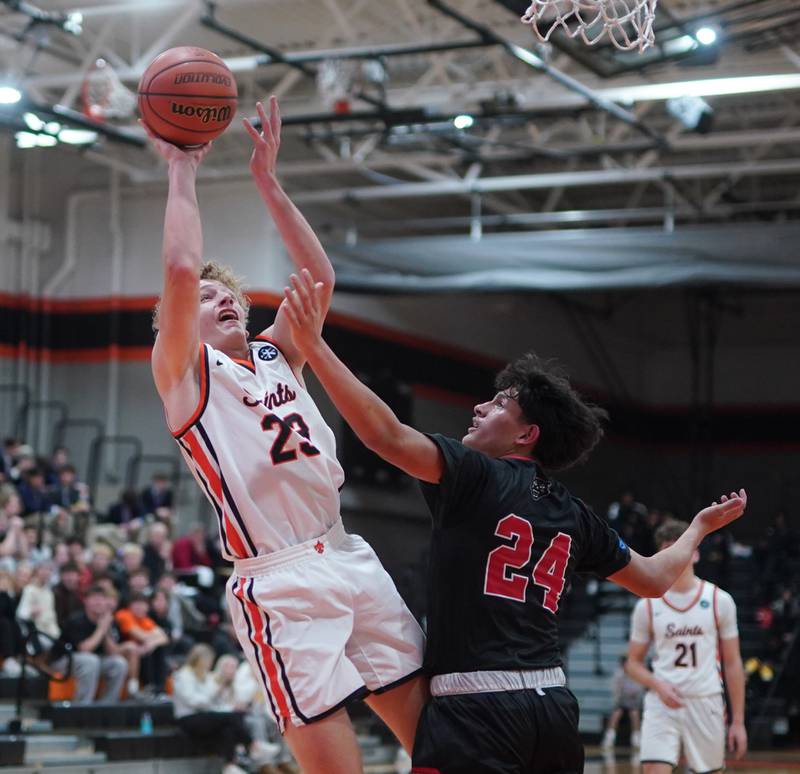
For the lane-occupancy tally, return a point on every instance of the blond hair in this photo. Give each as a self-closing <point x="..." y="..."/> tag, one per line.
<point x="216" y="272"/>
<point x="197" y="655"/>
<point x="132" y="549"/>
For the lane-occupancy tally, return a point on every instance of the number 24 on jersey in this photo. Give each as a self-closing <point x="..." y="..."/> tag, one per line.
<point x="503" y="576"/>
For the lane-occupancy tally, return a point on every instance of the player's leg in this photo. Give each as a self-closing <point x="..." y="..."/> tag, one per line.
<point x="650" y="767"/>
<point x="704" y="734"/>
<point x="386" y="642"/>
<point x="660" y="736"/>
<point x="327" y="746"/>
<point x="294" y="639"/>
<point x="478" y="733"/>
<point x="558" y="748"/>
<point x="400" y="708"/>
<point x="610" y="736"/>
<point x="636" y="725"/>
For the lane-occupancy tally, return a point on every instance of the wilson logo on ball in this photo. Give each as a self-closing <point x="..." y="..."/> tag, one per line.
<point x="204" y="113"/>
<point x="222" y="80"/>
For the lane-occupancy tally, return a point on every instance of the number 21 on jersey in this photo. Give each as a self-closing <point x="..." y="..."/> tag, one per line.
<point x="503" y="576"/>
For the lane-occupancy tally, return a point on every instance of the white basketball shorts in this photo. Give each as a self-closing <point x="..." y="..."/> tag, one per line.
<point x="698" y="726"/>
<point x="321" y="624"/>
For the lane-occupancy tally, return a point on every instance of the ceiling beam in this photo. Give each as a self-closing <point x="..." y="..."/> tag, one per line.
<point x="618" y="176"/>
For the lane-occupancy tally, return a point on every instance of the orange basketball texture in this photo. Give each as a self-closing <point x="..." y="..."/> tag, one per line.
<point x="187" y="96"/>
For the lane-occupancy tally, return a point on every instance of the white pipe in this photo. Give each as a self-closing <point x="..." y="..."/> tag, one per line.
<point x="63" y="272"/>
<point x="552" y="180"/>
<point x="117" y="249"/>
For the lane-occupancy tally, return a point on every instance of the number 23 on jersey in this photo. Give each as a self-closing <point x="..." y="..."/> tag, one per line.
<point x="504" y="564"/>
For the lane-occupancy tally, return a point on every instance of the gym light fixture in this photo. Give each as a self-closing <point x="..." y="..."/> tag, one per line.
<point x="9" y="95"/>
<point x="707" y="36"/>
<point x="77" y="136"/>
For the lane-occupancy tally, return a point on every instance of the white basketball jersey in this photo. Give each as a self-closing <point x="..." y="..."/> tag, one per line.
<point x="261" y="451"/>
<point x="686" y="636"/>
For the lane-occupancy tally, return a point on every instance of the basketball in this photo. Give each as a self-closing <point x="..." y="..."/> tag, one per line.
<point x="187" y="96"/>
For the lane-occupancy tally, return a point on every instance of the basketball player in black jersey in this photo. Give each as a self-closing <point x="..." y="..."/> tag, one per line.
<point x="506" y="540"/>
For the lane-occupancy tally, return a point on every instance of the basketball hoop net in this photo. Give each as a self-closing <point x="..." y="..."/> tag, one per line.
<point x="336" y="81"/>
<point x="627" y="23"/>
<point x="104" y="95"/>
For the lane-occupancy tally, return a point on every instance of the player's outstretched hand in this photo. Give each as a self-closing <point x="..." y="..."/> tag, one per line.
<point x="718" y="514"/>
<point x="266" y="142"/>
<point x="304" y="310"/>
<point x="737" y="739"/>
<point x="172" y="153"/>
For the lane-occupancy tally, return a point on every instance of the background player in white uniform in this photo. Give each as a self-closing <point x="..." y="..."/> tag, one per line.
<point x="317" y="616"/>
<point x="689" y="627"/>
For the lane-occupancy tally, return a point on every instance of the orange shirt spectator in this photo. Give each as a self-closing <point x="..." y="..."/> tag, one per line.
<point x="133" y="621"/>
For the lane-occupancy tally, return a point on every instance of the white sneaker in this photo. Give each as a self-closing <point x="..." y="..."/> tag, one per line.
<point x="636" y="739"/>
<point x="609" y="738"/>
<point x="263" y="753"/>
<point x="11" y="668"/>
<point x="232" y="768"/>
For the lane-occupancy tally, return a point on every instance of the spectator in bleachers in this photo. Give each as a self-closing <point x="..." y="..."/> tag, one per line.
<point x="51" y="467"/>
<point x="785" y="618"/>
<point x="95" y="639"/>
<point x="60" y="554"/>
<point x="138" y="582"/>
<point x="629" y="518"/>
<point x="157" y="551"/>
<point x="225" y="673"/>
<point x="100" y="563"/>
<point x="138" y="628"/>
<point x="7" y="457"/>
<point x="248" y="695"/>
<point x="33" y="492"/>
<point x="65" y="593"/>
<point x="131" y="556"/>
<point x="715" y="556"/>
<point x="128" y="514"/>
<point x="13" y="543"/>
<point x="23" y="573"/>
<point x="37" y="603"/>
<point x="157" y="499"/>
<point x="178" y="611"/>
<point x="195" y="695"/>
<point x="35" y="538"/>
<point x="191" y="550"/>
<point x="23" y="459"/>
<point x="76" y="549"/>
<point x="159" y="612"/>
<point x="9" y="632"/>
<point x="69" y="500"/>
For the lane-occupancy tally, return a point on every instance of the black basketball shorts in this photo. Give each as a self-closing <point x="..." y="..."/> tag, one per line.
<point x="501" y="732"/>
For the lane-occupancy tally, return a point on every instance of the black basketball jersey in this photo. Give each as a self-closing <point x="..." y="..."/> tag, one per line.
<point x="506" y="540"/>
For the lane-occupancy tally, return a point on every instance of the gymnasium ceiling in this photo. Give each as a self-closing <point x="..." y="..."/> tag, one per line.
<point x="538" y="154"/>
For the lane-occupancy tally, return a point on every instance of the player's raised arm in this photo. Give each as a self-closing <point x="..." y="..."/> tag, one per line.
<point x="651" y="576"/>
<point x="175" y="353"/>
<point x="370" y="418"/>
<point x="301" y="242"/>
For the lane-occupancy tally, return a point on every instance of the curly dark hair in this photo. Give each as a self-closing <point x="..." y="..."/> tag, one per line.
<point x="569" y="426"/>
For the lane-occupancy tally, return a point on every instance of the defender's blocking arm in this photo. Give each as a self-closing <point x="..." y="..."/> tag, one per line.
<point x="370" y="418"/>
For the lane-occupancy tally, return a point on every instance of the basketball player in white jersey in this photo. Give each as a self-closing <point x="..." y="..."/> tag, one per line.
<point x="317" y="616"/>
<point x="690" y="627"/>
